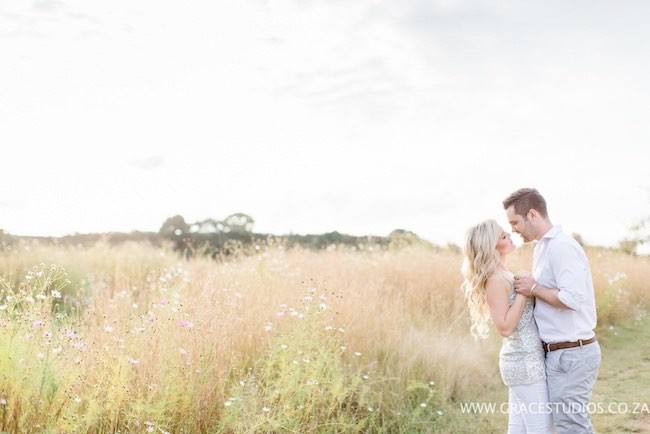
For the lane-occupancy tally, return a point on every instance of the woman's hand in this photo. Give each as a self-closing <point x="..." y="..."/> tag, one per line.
<point x="525" y="283"/>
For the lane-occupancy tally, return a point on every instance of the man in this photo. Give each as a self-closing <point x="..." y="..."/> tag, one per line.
<point x="565" y="309"/>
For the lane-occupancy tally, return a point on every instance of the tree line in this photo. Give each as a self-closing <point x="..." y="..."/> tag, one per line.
<point x="217" y="237"/>
<point x="235" y="233"/>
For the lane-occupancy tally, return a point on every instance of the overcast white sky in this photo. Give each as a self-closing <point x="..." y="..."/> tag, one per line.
<point x="313" y="116"/>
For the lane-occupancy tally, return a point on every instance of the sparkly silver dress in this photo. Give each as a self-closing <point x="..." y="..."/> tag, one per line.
<point x="521" y="359"/>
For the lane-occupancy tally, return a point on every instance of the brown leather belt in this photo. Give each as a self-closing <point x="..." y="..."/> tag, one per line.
<point x="563" y="345"/>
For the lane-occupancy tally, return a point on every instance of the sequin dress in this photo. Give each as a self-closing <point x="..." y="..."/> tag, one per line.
<point x="521" y="359"/>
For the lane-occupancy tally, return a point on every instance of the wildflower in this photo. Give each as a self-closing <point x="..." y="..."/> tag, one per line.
<point x="133" y="361"/>
<point x="108" y="329"/>
<point x="431" y="383"/>
<point x="41" y="297"/>
<point x="322" y="307"/>
<point x="268" y="327"/>
<point x="37" y="323"/>
<point x="227" y="403"/>
<point x="3" y="307"/>
<point x="423" y="404"/>
<point x="182" y="350"/>
<point x="3" y="401"/>
<point x="439" y="413"/>
<point x="57" y="350"/>
<point x="357" y="354"/>
<point x="56" y="294"/>
<point x="365" y="377"/>
<point x="266" y="409"/>
<point x="370" y="409"/>
<point x="40" y="356"/>
<point x="81" y="346"/>
<point x="284" y="346"/>
<point x="186" y="324"/>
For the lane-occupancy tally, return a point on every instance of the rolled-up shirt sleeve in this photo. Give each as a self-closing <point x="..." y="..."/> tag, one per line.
<point x="570" y="269"/>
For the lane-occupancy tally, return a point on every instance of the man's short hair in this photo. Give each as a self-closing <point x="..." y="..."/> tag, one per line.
<point x="526" y="199"/>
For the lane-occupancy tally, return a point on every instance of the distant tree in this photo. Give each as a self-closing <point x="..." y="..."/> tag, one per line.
<point x="238" y="223"/>
<point x="174" y="227"/>
<point x="639" y="236"/>
<point x="402" y="238"/>
<point x="208" y="226"/>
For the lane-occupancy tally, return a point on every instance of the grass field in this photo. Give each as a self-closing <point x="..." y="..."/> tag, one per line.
<point x="133" y="339"/>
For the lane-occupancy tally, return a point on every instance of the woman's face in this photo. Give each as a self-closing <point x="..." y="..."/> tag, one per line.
<point x="505" y="244"/>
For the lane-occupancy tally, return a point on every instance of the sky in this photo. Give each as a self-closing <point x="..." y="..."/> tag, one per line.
<point x="311" y="116"/>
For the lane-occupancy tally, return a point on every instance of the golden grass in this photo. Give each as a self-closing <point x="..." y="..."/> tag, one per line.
<point x="275" y="341"/>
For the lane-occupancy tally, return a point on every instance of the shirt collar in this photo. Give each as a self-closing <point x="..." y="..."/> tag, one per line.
<point x="552" y="233"/>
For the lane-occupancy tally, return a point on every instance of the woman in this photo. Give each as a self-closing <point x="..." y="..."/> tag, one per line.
<point x="490" y="294"/>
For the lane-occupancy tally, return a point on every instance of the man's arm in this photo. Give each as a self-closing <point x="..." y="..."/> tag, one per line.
<point x="569" y="265"/>
<point x="526" y="285"/>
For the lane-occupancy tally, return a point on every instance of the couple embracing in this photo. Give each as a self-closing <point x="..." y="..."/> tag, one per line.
<point x="550" y="357"/>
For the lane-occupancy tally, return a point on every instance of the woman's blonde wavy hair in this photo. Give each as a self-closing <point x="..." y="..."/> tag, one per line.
<point x="480" y="259"/>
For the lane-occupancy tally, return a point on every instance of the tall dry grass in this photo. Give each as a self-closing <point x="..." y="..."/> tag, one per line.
<point x="133" y="338"/>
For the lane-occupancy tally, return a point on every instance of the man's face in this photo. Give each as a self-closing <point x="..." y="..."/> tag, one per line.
<point x="520" y="225"/>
